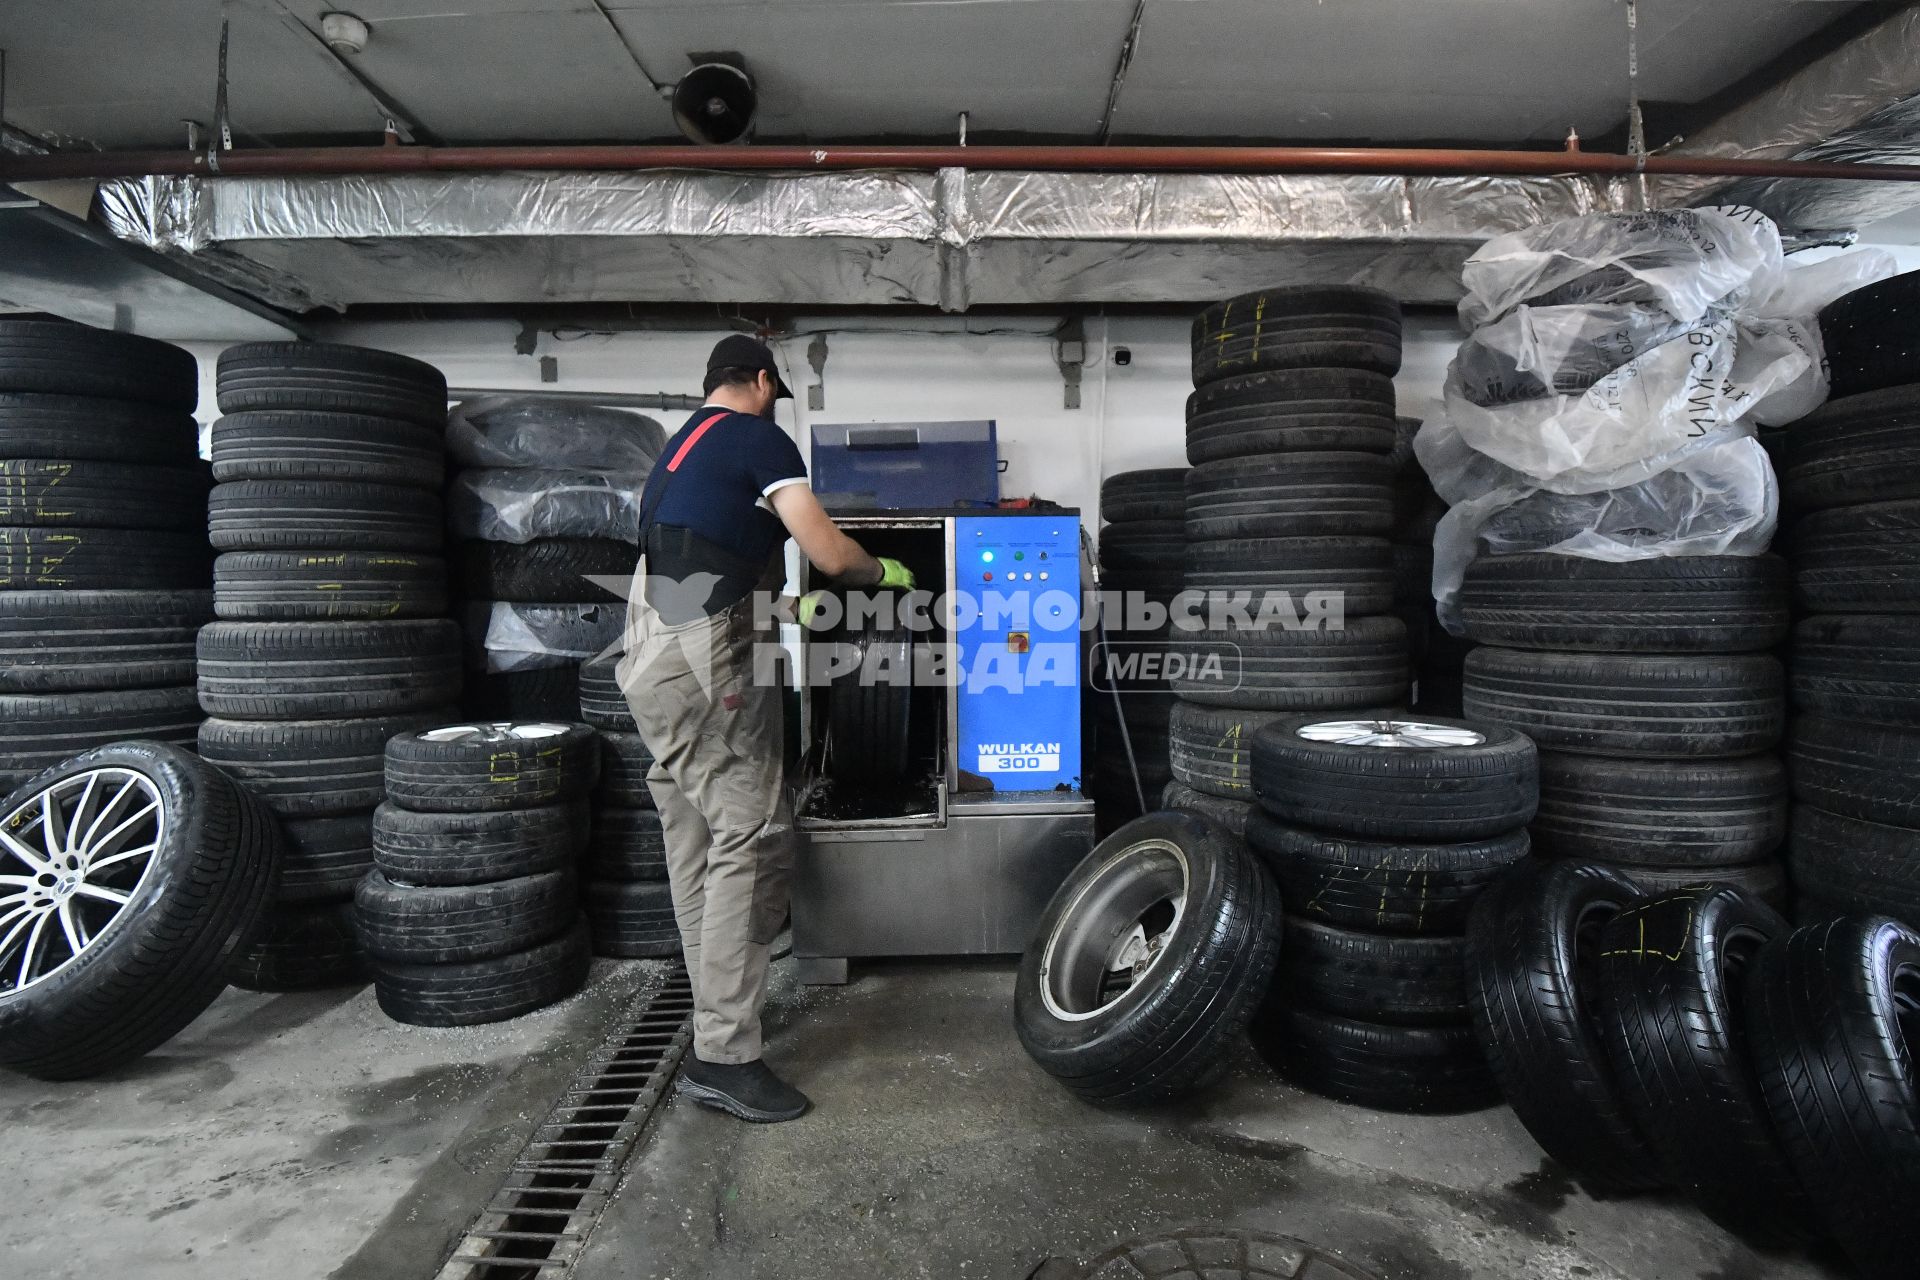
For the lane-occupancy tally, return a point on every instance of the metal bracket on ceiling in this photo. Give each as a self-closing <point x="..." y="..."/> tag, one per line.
<point x="222" y="125"/>
<point x="1070" y="353"/>
<point x="1129" y="45"/>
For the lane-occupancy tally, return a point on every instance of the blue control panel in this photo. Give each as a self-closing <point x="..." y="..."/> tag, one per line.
<point x="1017" y="642"/>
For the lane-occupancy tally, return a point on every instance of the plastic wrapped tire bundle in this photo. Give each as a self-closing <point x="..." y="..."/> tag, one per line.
<point x="547" y="570"/>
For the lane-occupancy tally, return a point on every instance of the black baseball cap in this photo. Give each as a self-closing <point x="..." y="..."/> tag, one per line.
<point x="739" y="351"/>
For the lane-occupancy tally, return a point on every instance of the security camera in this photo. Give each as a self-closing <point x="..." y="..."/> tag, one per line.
<point x="1123" y="356"/>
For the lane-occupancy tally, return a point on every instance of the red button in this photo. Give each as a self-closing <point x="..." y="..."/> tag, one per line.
<point x="986" y="577"/>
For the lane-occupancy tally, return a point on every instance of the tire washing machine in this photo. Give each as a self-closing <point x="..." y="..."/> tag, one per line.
<point x="940" y="813"/>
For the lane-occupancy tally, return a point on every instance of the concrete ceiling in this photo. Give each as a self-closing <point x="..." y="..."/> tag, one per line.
<point x="124" y="73"/>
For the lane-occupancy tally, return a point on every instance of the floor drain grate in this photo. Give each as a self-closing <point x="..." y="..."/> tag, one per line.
<point x="559" y="1185"/>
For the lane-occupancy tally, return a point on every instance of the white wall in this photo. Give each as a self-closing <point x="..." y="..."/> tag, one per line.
<point x="888" y="369"/>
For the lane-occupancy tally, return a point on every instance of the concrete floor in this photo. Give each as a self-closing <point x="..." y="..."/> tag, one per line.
<point x="308" y="1138"/>
<point x="292" y="1136"/>
<point x="938" y="1150"/>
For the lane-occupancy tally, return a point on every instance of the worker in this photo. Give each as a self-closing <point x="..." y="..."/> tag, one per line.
<point x="715" y="515"/>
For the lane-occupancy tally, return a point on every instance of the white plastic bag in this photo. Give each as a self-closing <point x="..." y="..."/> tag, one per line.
<point x="543" y="431"/>
<point x="1722" y="500"/>
<point x="1683" y="261"/>
<point x="525" y="637"/>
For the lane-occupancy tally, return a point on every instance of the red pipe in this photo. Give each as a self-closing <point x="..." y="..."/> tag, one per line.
<point x="1276" y="160"/>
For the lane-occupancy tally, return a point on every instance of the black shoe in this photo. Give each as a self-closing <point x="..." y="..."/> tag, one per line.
<point x="749" y="1090"/>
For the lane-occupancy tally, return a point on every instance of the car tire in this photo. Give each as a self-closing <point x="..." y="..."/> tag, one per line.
<point x="1416" y="1070"/>
<point x="1230" y="815"/>
<point x="494" y="989"/>
<point x="1253" y="415"/>
<point x="58" y="357"/>
<point x="1867" y="868"/>
<point x="37" y="559"/>
<point x="624" y="762"/>
<point x="66" y="493"/>
<point x="1186" y="1000"/>
<point x="632" y="919"/>
<point x="86" y="641"/>
<point x="1864" y="667"/>
<point x="626" y="844"/>
<point x="149" y="965"/>
<point x="1857" y="559"/>
<point x="1533" y="938"/>
<point x="1359" y="571"/>
<point x="1210" y="748"/>
<point x="309" y="768"/>
<point x="471" y="768"/>
<point x="1296" y="327"/>
<point x="477" y="848"/>
<point x="1675" y="604"/>
<point x="314" y="586"/>
<point x="1388" y="776"/>
<point x="1869" y="336"/>
<point x="1631" y="706"/>
<point x="1668" y="991"/>
<point x="320" y="377"/>
<point x="1856" y="770"/>
<point x="39" y="730"/>
<point x="447" y="924"/>
<point x="293" y="445"/>
<point x="303" y="947"/>
<point x="1830" y="1026"/>
<point x="102" y="430"/>
<point x="1291" y="495"/>
<point x="603" y="704"/>
<point x="1156" y="494"/>
<point x="1666" y="813"/>
<point x="1861" y="449"/>
<point x="339" y="515"/>
<point x="328" y="670"/>
<point x="1381" y="886"/>
<point x="1395" y="980"/>
<point x="1278" y="669"/>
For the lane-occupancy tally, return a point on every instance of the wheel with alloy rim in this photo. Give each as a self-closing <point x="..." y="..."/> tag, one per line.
<point x="489" y="765"/>
<point x="1147" y="962"/>
<point x="128" y="877"/>
<point x="1394" y="777"/>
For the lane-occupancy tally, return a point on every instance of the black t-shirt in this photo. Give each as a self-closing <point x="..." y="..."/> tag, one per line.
<point x="720" y="473"/>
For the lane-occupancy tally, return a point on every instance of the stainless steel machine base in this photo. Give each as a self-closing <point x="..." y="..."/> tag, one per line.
<point x="975" y="886"/>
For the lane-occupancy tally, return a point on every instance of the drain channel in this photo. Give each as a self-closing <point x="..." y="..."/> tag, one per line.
<point x="559" y="1185"/>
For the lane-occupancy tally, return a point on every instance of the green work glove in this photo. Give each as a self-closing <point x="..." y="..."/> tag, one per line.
<point x="895" y="574"/>
<point x="809" y="607"/>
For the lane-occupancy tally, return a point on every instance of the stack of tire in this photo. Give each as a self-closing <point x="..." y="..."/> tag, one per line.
<point x="1437" y="657"/>
<point x="331" y="637"/>
<point x="1382" y="835"/>
<point x="1657" y="708"/>
<point x="1690" y="1040"/>
<point x="1288" y="508"/>
<point x="1851" y="474"/>
<point x="103" y="548"/>
<point x="472" y="912"/>
<point x="625" y="889"/>
<point x="1142" y="553"/>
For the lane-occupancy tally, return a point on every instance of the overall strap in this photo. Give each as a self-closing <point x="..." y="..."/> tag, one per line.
<point x="652" y="503"/>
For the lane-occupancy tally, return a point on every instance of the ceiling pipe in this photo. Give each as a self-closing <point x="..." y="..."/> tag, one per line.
<point x="343" y="161"/>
